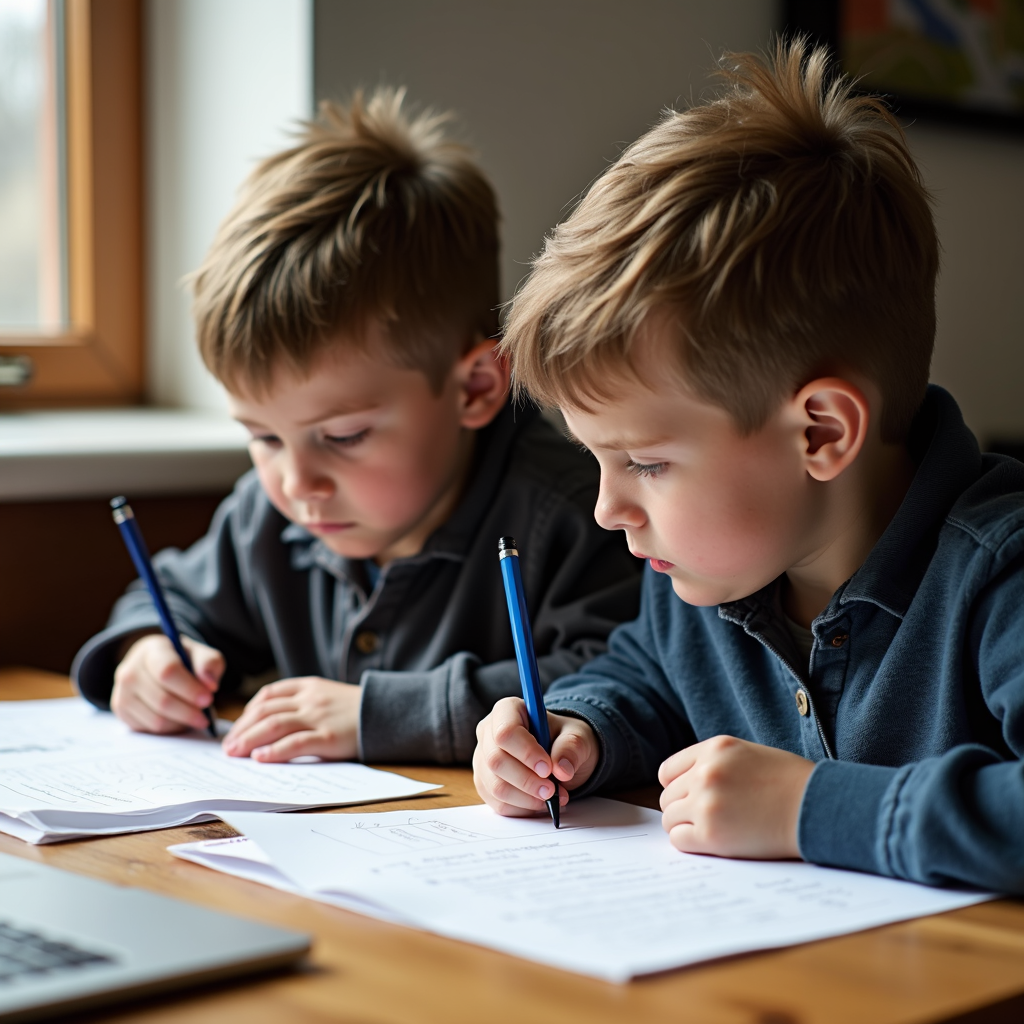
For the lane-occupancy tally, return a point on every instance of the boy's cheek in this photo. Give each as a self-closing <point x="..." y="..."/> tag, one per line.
<point x="719" y="557"/>
<point x="270" y="481"/>
<point x="704" y="582"/>
<point x="385" y="497"/>
<point x="272" y="488"/>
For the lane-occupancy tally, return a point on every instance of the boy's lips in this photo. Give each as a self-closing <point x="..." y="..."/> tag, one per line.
<point x="657" y="564"/>
<point x="327" y="527"/>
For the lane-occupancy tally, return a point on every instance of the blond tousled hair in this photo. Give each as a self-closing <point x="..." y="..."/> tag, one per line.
<point x="374" y="213"/>
<point x="786" y="224"/>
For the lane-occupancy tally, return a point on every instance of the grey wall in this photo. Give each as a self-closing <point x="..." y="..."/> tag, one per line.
<point x="549" y="90"/>
<point x="978" y="182"/>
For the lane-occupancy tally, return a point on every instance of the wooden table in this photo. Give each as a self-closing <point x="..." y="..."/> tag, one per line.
<point x="965" y="966"/>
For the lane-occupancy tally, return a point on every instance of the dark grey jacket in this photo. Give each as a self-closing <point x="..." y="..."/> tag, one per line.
<point x="430" y="644"/>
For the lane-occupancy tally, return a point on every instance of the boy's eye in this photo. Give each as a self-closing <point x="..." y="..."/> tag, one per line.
<point x="347" y="440"/>
<point x="266" y="438"/>
<point x="645" y="468"/>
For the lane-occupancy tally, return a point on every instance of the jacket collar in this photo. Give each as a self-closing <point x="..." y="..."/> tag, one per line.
<point x="948" y="461"/>
<point x="494" y="445"/>
<point x="451" y="540"/>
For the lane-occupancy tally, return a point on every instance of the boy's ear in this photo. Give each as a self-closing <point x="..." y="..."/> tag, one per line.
<point x="483" y="382"/>
<point x="835" y="416"/>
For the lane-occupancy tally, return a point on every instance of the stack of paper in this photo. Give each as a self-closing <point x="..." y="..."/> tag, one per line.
<point x="68" y="770"/>
<point x="605" y="895"/>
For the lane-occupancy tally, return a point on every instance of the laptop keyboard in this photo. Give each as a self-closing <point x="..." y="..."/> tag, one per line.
<point x="23" y="952"/>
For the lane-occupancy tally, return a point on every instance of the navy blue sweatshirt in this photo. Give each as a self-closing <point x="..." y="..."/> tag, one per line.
<point x="912" y="703"/>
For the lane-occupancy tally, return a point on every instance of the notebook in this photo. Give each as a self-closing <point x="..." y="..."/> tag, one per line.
<point x="68" y="770"/>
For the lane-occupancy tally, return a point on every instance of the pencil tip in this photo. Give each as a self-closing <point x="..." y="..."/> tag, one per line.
<point x="555" y="810"/>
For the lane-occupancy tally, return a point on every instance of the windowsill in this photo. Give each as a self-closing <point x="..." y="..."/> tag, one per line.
<point x="103" y="452"/>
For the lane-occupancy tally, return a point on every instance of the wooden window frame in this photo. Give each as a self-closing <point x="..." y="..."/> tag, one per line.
<point x="98" y="358"/>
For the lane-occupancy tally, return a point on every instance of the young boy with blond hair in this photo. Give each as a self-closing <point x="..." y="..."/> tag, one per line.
<point x="829" y="659"/>
<point x="348" y="305"/>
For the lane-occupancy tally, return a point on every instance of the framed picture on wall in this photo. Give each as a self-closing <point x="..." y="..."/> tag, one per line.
<point x="959" y="60"/>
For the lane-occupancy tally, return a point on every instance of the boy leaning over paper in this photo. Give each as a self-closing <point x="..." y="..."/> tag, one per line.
<point x="829" y="657"/>
<point x="348" y="304"/>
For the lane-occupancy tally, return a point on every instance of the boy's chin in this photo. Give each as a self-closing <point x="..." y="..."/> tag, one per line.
<point x="351" y="547"/>
<point x="705" y="593"/>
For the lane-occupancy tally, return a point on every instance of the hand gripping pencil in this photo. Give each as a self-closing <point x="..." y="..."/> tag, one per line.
<point x="526" y="656"/>
<point x="132" y="537"/>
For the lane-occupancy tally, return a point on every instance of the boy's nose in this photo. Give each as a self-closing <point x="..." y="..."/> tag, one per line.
<point x="616" y="512"/>
<point x="303" y="482"/>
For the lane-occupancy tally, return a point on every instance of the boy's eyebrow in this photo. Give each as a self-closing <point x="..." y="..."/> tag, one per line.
<point x="338" y="410"/>
<point x="330" y="414"/>
<point x="248" y="423"/>
<point x="620" y="444"/>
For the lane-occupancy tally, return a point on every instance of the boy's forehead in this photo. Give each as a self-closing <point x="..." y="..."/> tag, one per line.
<point x="648" y="398"/>
<point x="646" y="414"/>
<point x="335" y="383"/>
<point x="299" y="411"/>
<point x="617" y="426"/>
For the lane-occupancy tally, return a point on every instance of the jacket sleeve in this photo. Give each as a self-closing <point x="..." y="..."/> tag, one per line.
<point x="628" y="701"/>
<point x="957" y="818"/>
<point x="580" y="581"/>
<point x="208" y="594"/>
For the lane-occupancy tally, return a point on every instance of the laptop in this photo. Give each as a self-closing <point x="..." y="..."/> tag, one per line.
<point x="71" y="943"/>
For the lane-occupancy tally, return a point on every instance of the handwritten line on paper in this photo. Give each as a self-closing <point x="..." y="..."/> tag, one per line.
<point x="415" y="835"/>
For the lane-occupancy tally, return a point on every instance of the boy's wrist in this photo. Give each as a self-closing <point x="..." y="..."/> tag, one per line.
<point x="129" y="640"/>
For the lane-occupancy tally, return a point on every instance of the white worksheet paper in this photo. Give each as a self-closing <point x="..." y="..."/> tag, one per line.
<point x="605" y="895"/>
<point x="69" y="770"/>
<point x="241" y="857"/>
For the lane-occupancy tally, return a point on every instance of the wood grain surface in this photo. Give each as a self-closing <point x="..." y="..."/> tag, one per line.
<point x="965" y="966"/>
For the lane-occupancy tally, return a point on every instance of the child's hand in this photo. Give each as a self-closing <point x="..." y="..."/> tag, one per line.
<point x="511" y="769"/>
<point x="296" y="717"/>
<point x="154" y="692"/>
<point x="732" y="798"/>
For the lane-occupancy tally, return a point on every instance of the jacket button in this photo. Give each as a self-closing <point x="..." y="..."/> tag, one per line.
<point x="839" y="639"/>
<point x="802" y="703"/>
<point x="367" y="642"/>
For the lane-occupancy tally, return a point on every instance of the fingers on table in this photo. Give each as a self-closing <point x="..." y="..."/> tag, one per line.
<point x="246" y="736"/>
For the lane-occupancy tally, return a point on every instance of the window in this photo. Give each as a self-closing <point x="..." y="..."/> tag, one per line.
<point x="31" y="166"/>
<point x="71" y="284"/>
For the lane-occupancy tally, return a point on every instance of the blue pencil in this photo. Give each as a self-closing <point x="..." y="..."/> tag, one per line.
<point x="132" y="537"/>
<point x="526" y="656"/>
